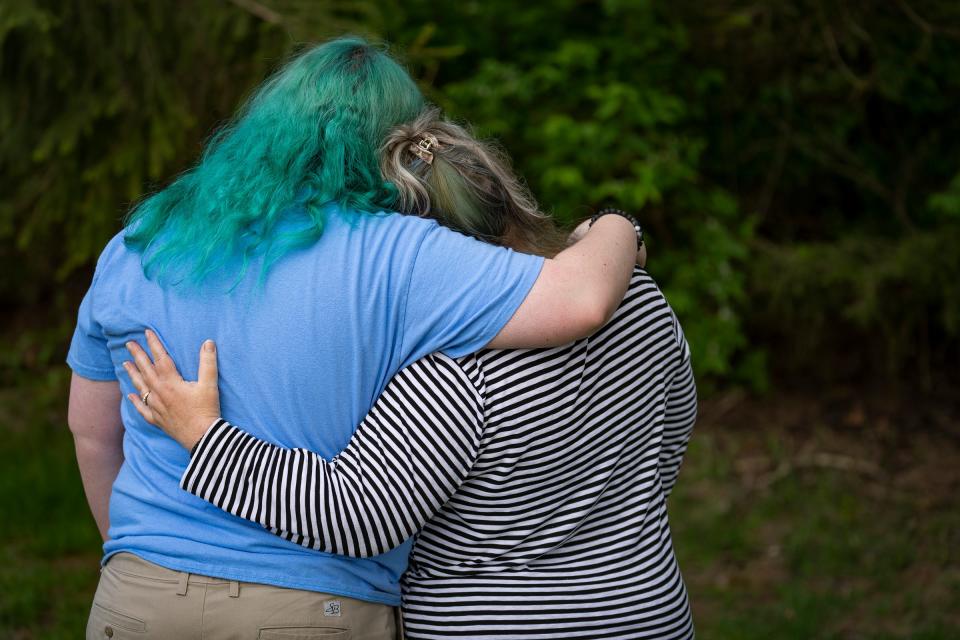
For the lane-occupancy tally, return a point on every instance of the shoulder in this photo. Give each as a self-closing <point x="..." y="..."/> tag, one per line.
<point x="427" y="231"/>
<point x="643" y="294"/>
<point x="114" y="251"/>
<point x="641" y="280"/>
<point x="390" y="222"/>
<point x="646" y="305"/>
<point x="434" y="244"/>
<point x="442" y="369"/>
<point x="458" y="379"/>
<point x="395" y="237"/>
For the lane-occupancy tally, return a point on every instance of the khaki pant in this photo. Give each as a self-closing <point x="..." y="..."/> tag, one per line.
<point x="138" y="599"/>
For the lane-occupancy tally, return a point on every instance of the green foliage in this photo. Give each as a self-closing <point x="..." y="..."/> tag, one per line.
<point x="795" y="163"/>
<point x="101" y="101"/>
<point x="597" y="106"/>
<point x="49" y="546"/>
<point x="901" y="295"/>
<point x="755" y="139"/>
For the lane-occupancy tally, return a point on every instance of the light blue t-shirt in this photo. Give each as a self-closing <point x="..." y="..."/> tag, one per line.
<point x="303" y="356"/>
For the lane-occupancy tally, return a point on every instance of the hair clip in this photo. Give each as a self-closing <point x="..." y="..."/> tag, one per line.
<point x="422" y="149"/>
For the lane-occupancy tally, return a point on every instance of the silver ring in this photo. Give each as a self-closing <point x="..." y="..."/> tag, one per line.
<point x="144" y="398"/>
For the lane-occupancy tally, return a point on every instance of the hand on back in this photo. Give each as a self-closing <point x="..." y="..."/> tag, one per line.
<point x="183" y="409"/>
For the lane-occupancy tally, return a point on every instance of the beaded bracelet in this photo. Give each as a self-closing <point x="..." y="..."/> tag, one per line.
<point x="624" y="214"/>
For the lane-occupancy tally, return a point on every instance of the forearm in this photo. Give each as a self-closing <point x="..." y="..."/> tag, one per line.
<point x="99" y="464"/>
<point x="402" y="464"/>
<point x="577" y="291"/>
<point x="360" y="504"/>
<point x="601" y="264"/>
<point x="374" y="495"/>
<point x="246" y="476"/>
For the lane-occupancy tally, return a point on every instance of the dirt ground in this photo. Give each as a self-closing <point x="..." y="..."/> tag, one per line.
<point x="822" y="515"/>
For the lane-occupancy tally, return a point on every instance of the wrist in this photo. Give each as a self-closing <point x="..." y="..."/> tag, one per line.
<point x="201" y="427"/>
<point x="621" y="214"/>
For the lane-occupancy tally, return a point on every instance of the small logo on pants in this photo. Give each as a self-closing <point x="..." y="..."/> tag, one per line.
<point x="331" y="608"/>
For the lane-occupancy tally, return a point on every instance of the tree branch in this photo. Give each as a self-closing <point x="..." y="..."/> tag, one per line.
<point x="255" y="8"/>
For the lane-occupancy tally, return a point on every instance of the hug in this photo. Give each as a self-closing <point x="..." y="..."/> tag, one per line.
<point x="419" y="408"/>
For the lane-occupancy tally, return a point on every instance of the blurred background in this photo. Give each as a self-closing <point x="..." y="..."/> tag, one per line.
<point x="796" y="164"/>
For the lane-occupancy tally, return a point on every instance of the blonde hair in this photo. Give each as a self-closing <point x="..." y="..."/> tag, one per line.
<point x="468" y="185"/>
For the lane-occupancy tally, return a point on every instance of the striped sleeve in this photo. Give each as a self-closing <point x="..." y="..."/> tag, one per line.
<point x="409" y="455"/>
<point x="680" y="415"/>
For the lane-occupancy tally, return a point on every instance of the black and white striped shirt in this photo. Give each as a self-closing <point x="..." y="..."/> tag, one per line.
<point x="537" y="480"/>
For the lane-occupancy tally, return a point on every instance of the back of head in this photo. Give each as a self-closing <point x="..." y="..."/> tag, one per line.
<point x="308" y="136"/>
<point x="443" y="172"/>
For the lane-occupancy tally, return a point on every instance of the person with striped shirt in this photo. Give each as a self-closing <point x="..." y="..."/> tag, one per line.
<point x="534" y="481"/>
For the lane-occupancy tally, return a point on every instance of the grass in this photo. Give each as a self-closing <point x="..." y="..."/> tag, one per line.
<point x="774" y="541"/>
<point x="777" y="547"/>
<point x="49" y="546"/>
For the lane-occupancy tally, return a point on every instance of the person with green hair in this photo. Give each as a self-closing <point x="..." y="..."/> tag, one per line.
<point x="535" y="477"/>
<point x="284" y="244"/>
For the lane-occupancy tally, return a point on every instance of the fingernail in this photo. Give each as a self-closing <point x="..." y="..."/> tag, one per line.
<point x="209" y="346"/>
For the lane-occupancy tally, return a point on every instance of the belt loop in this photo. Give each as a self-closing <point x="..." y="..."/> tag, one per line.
<point x="234" y="589"/>
<point x="182" y="585"/>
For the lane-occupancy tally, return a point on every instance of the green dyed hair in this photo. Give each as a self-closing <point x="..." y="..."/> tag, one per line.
<point x="309" y="135"/>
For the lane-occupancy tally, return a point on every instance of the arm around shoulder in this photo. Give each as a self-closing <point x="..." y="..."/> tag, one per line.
<point x="577" y="291"/>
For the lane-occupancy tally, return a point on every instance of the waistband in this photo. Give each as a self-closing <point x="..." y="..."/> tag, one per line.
<point x="134" y="564"/>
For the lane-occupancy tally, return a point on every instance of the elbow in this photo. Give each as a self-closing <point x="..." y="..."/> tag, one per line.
<point x="91" y="437"/>
<point x="603" y="311"/>
<point x="88" y="445"/>
<point x="589" y="322"/>
<point x="82" y="431"/>
<point x="591" y="315"/>
<point x="590" y="305"/>
<point x="578" y="322"/>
